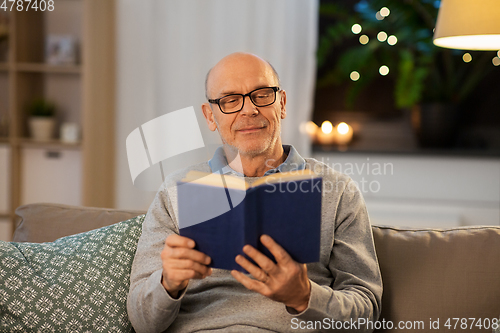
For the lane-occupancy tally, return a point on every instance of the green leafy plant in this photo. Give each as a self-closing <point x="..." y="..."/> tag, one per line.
<point x="41" y="107"/>
<point x="421" y="72"/>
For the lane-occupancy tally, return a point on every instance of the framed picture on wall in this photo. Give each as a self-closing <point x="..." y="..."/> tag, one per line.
<point x="61" y="50"/>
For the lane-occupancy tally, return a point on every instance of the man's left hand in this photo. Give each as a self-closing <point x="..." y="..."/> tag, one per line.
<point x="285" y="281"/>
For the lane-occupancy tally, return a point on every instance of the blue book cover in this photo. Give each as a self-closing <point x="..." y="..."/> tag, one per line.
<point x="223" y="213"/>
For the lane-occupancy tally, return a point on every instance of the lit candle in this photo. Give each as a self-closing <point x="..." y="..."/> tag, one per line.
<point x="344" y="133"/>
<point x="309" y="128"/>
<point x="326" y="134"/>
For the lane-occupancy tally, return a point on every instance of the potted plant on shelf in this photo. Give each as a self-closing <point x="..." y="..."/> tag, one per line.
<point x="430" y="81"/>
<point x="41" y="119"/>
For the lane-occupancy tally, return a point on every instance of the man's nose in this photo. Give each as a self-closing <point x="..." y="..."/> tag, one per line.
<point x="249" y="109"/>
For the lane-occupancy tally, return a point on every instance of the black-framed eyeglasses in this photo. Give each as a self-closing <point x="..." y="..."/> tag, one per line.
<point x="234" y="103"/>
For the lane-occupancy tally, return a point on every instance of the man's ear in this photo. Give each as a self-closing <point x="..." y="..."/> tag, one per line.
<point x="209" y="116"/>
<point x="283" y="104"/>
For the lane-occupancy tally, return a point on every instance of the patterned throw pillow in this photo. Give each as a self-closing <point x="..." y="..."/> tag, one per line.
<point x="77" y="283"/>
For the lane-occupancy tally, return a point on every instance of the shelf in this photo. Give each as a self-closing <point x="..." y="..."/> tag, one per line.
<point x="84" y="93"/>
<point x="451" y="152"/>
<point x="45" y="68"/>
<point x="52" y="144"/>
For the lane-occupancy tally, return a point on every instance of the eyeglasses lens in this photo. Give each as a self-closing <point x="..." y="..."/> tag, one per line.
<point x="260" y="97"/>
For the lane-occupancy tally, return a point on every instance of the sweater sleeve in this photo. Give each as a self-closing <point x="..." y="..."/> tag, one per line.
<point x="356" y="290"/>
<point x="150" y="307"/>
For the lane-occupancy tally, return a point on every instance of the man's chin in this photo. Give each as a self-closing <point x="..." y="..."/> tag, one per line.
<point x="254" y="149"/>
<point x="248" y="149"/>
<point x="252" y="145"/>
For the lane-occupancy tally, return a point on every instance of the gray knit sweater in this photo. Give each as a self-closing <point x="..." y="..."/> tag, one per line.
<point x="345" y="284"/>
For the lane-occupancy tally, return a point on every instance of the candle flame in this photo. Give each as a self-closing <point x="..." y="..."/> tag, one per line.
<point x="343" y="128"/>
<point x="326" y="127"/>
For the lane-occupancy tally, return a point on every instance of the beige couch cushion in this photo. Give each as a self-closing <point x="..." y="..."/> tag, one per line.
<point x="45" y="222"/>
<point x="439" y="274"/>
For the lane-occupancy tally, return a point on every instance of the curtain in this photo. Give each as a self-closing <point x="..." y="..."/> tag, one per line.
<point x="165" y="48"/>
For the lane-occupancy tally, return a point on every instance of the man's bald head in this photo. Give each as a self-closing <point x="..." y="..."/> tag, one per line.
<point x="234" y="60"/>
<point x="252" y="131"/>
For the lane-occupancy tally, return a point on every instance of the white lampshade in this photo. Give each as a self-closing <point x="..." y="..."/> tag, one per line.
<point x="468" y="25"/>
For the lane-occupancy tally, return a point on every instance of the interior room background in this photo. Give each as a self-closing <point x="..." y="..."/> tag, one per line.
<point x="162" y="51"/>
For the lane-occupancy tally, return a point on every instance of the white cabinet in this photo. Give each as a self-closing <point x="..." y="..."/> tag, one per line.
<point x="424" y="191"/>
<point x="4" y="179"/>
<point x="5" y="222"/>
<point x="51" y="175"/>
<point x="5" y="229"/>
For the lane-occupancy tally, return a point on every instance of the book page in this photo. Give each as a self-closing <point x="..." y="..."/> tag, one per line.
<point x="215" y="179"/>
<point x="280" y="177"/>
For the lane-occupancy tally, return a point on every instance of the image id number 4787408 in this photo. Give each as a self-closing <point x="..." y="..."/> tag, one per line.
<point x="469" y="323"/>
<point x="27" y="5"/>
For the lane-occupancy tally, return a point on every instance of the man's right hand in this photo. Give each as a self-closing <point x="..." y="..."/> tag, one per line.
<point x="182" y="263"/>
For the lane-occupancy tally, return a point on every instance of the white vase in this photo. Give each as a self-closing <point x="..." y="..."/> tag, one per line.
<point x="42" y="128"/>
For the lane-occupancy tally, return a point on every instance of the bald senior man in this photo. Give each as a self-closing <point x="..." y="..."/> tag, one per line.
<point x="172" y="288"/>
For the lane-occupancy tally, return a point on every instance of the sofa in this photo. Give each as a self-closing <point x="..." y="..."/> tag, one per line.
<point x="67" y="270"/>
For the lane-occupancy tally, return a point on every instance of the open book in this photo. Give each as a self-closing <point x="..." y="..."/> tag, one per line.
<point x="222" y="213"/>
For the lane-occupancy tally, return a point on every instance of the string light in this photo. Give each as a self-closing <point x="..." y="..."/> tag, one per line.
<point x="498" y="53"/>
<point x="385" y="11"/>
<point x="383" y="70"/>
<point x="467" y="57"/>
<point x="364" y="39"/>
<point x="379" y="16"/>
<point x="354" y="76"/>
<point x="381" y="36"/>
<point x="392" y="40"/>
<point x="496" y="61"/>
<point x="356" y="28"/>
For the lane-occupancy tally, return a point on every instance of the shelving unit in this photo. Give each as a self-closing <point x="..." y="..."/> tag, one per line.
<point x="83" y="93"/>
<point x="43" y="68"/>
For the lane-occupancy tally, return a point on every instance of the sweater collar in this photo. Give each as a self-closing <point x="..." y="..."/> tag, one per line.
<point x="293" y="162"/>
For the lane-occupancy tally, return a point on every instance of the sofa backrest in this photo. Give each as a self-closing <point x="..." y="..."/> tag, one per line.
<point x="46" y="222"/>
<point x="436" y="274"/>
